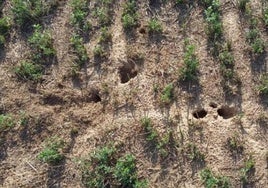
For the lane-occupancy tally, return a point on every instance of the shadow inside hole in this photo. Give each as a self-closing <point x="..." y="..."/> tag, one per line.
<point x="201" y="113"/>
<point x="227" y="112"/>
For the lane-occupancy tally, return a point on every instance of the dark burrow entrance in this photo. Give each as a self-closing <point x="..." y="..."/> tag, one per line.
<point x="127" y="71"/>
<point x="93" y="96"/>
<point x="227" y="112"/>
<point x="200" y="113"/>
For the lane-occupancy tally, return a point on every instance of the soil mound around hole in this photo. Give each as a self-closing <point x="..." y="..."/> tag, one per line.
<point x="200" y="113"/>
<point x="127" y="71"/>
<point x="227" y="112"/>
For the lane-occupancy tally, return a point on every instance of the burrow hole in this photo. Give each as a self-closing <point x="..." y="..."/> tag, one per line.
<point x="51" y="99"/>
<point x="142" y="30"/>
<point x="227" y="112"/>
<point x="200" y="113"/>
<point x="127" y="71"/>
<point x="93" y="96"/>
<point x="213" y="105"/>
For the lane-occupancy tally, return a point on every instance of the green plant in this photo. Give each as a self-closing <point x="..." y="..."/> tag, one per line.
<point x="29" y="71"/>
<point x="242" y="4"/>
<point x="103" y="167"/>
<point x="246" y="171"/>
<point x="51" y="153"/>
<point x="42" y="44"/>
<point x="265" y="16"/>
<point x="167" y="94"/>
<point x="155" y="26"/>
<point x="227" y="62"/>
<point x="151" y="132"/>
<point x="79" y="50"/>
<point x="102" y="13"/>
<point x="263" y="87"/>
<point x="6" y="122"/>
<point x="194" y="153"/>
<point x="129" y="17"/>
<point x="235" y="144"/>
<point x="30" y="11"/>
<point x="258" y="46"/>
<point x="190" y="68"/>
<point x="212" y="14"/>
<point x="126" y="173"/>
<point x="211" y="181"/>
<point x="125" y="170"/>
<point x="99" y="51"/>
<point x="4" y="29"/>
<point x="98" y="169"/>
<point x="106" y="35"/>
<point x="79" y="14"/>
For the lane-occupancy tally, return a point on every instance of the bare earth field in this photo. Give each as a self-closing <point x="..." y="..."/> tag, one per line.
<point x="200" y="126"/>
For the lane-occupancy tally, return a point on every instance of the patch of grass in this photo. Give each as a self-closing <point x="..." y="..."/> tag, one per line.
<point x="79" y="15"/>
<point x="263" y="87"/>
<point x="190" y="69"/>
<point x="29" y="71"/>
<point x="79" y="50"/>
<point x="27" y="12"/>
<point x="246" y="171"/>
<point x="211" y="181"/>
<point x="129" y="17"/>
<point x="155" y="26"/>
<point x="51" y="153"/>
<point x="42" y="45"/>
<point x="6" y="122"/>
<point x="167" y="94"/>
